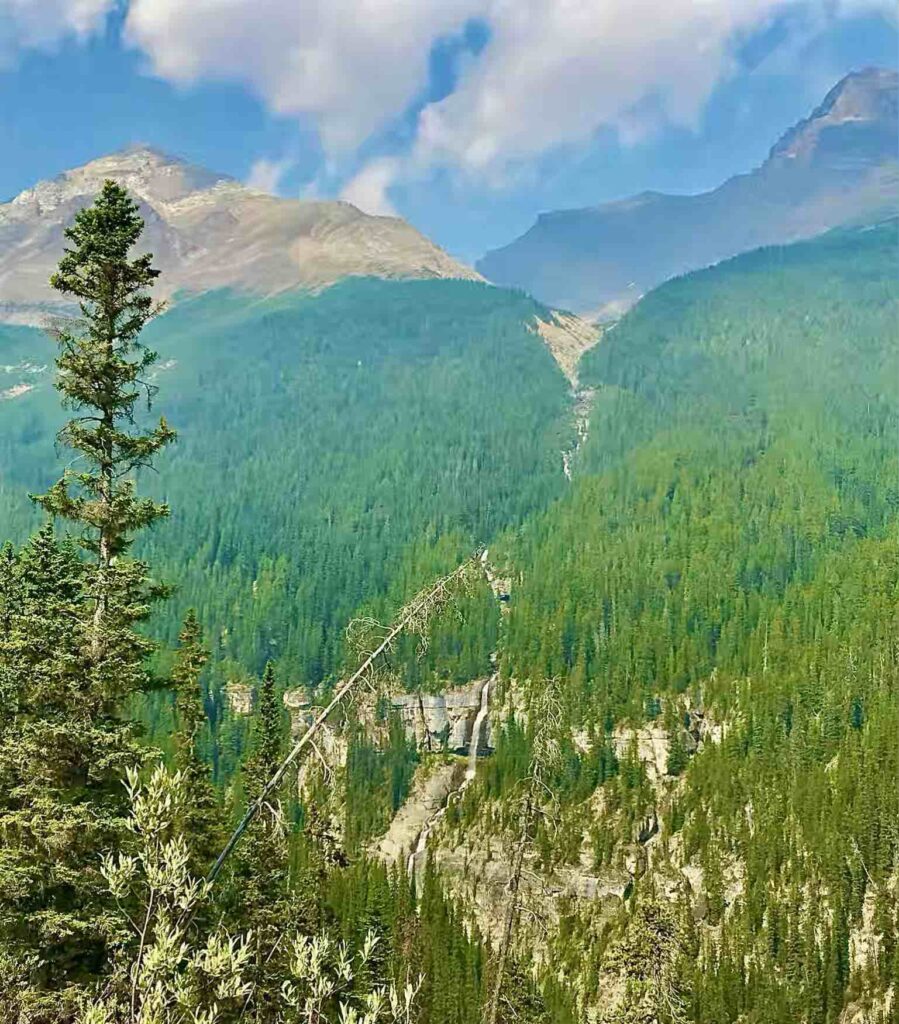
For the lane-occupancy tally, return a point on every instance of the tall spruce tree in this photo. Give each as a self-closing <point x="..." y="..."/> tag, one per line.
<point x="102" y="366"/>
<point x="201" y="820"/>
<point x="9" y="603"/>
<point x="60" y="766"/>
<point x="261" y="881"/>
<point x="70" y="655"/>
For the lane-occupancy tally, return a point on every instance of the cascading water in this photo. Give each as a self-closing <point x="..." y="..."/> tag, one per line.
<point x="474" y="745"/>
<point x="583" y="401"/>
<point x="500" y="589"/>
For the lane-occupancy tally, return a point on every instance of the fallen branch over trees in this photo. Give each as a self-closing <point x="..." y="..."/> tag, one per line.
<point x="414" y="617"/>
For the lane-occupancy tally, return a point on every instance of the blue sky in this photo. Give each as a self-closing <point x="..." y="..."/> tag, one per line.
<point x="461" y="116"/>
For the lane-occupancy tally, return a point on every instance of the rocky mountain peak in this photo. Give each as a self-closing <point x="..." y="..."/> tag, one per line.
<point x="838" y="167"/>
<point x="148" y="173"/>
<point x="868" y="94"/>
<point x="861" y="108"/>
<point x="206" y="231"/>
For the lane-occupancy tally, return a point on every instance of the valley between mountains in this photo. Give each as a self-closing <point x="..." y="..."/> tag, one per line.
<point x="645" y="758"/>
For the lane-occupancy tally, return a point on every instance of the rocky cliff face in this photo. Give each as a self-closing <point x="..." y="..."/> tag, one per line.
<point x="568" y="338"/>
<point x="854" y="127"/>
<point x="475" y="863"/>
<point x="208" y="231"/>
<point x="431" y="789"/>
<point x="837" y="167"/>
<point x="443" y="721"/>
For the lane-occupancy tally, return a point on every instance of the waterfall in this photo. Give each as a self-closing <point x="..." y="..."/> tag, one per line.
<point x="476" y="730"/>
<point x="474" y="745"/>
<point x="422" y="843"/>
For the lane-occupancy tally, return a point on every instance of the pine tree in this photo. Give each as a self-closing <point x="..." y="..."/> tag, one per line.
<point x="201" y="820"/>
<point x="60" y="766"/>
<point x="101" y="367"/>
<point x="260" y="879"/>
<point x="71" y="656"/>
<point x="7" y="587"/>
<point x="9" y="603"/>
<point x="269" y="735"/>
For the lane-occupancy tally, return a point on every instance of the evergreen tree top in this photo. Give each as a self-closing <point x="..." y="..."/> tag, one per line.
<point x="268" y="730"/>
<point x="101" y="375"/>
<point x="96" y="269"/>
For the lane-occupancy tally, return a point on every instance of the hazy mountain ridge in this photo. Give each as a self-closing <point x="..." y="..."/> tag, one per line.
<point x="209" y="231"/>
<point x="867" y="100"/>
<point x="837" y="167"/>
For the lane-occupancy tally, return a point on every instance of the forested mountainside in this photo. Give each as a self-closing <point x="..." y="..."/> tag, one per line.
<point x="717" y="598"/>
<point x="334" y="451"/>
<point x="686" y="645"/>
<point x="837" y="167"/>
<point x="111" y="910"/>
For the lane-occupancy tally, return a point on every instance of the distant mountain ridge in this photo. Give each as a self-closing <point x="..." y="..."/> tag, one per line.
<point x="838" y="167"/>
<point x="209" y="231"/>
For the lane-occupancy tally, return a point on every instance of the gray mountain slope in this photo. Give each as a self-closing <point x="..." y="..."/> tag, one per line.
<point x="837" y="167"/>
<point x="208" y="231"/>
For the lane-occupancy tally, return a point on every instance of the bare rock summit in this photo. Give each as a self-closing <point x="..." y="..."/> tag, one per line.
<point x="208" y="231"/>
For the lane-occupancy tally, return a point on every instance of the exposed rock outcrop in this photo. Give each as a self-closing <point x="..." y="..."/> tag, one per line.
<point x="208" y="231"/>
<point x="568" y="337"/>
<point x="240" y="698"/>
<point x="652" y="742"/>
<point x="443" y="721"/>
<point x="330" y="744"/>
<point x="479" y="869"/>
<point x="431" y="787"/>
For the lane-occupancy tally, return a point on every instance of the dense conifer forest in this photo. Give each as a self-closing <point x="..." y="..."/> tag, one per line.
<point x="104" y="914"/>
<point x="365" y="442"/>
<point x="721" y="574"/>
<point x="729" y="548"/>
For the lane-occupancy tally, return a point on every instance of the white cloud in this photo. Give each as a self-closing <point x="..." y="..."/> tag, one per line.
<point x="266" y="175"/>
<point x="368" y="189"/>
<point x="557" y="70"/>
<point x="43" y="24"/>
<point x="551" y="74"/>
<point x="351" y="65"/>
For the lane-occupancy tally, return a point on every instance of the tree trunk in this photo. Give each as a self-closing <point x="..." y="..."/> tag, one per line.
<point x="505" y="944"/>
